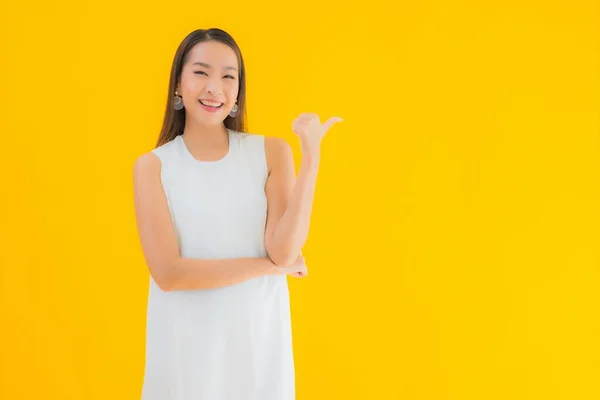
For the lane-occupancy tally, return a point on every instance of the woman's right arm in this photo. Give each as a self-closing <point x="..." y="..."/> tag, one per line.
<point x="157" y="237"/>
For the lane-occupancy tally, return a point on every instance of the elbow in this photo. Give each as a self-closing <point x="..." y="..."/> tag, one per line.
<point x="282" y="253"/>
<point x="164" y="277"/>
<point x="163" y="283"/>
<point x="283" y="261"/>
<point x="282" y="257"/>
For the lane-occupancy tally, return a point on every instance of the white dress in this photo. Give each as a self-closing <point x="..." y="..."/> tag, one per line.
<point x="229" y="343"/>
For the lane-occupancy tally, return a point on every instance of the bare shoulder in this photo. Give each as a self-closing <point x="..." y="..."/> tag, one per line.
<point x="276" y="143"/>
<point x="146" y="164"/>
<point x="278" y="151"/>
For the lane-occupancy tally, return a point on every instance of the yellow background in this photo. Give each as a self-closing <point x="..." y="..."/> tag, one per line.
<point x="454" y="247"/>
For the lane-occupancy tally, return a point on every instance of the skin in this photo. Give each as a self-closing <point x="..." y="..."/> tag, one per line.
<point x="289" y="198"/>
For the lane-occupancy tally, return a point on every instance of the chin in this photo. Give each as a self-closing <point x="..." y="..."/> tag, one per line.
<point x="210" y="119"/>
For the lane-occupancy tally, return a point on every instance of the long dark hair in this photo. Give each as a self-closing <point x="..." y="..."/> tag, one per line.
<point x="174" y="120"/>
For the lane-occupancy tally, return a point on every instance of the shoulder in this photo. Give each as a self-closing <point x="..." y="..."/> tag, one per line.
<point x="146" y="164"/>
<point x="275" y="144"/>
<point x="249" y="138"/>
<point x="165" y="149"/>
<point x="153" y="160"/>
<point x="278" y="151"/>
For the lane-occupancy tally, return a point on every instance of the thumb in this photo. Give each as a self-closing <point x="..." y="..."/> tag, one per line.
<point x="329" y="123"/>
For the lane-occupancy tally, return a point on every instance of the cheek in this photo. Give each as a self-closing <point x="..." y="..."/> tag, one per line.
<point x="232" y="90"/>
<point x="192" y="84"/>
<point x="196" y="86"/>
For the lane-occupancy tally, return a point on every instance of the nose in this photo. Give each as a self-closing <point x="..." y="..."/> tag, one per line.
<point x="214" y="89"/>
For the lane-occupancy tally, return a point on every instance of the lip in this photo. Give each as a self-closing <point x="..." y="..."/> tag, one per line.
<point x="212" y="100"/>
<point x="211" y="109"/>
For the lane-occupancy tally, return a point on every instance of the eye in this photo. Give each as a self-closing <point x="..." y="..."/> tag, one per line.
<point x="200" y="72"/>
<point x="229" y="76"/>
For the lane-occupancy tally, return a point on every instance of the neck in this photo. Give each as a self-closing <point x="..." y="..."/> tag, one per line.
<point x="205" y="142"/>
<point x="208" y="136"/>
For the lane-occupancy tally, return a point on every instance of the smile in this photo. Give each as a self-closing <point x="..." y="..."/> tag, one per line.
<point x="210" y="104"/>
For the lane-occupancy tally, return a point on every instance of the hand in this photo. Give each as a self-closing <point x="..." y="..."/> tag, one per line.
<point x="297" y="269"/>
<point x="310" y="131"/>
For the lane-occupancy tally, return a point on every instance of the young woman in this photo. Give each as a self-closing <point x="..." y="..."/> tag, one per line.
<point x="222" y="219"/>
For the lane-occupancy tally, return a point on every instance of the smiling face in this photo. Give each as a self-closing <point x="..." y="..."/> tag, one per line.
<point x="209" y="82"/>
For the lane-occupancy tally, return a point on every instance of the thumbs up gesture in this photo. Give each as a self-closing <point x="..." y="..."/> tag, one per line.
<point x="310" y="131"/>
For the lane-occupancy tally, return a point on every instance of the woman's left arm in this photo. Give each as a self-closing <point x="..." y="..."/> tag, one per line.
<point x="290" y="199"/>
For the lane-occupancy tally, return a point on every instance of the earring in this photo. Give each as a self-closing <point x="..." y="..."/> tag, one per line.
<point x="177" y="101"/>
<point x="234" y="111"/>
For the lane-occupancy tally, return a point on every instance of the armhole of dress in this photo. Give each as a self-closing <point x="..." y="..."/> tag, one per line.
<point x="160" y="153"/>
<point x="262" y="155"/>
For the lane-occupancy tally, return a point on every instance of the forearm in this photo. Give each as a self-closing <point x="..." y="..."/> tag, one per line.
<point x="195" y="274"/>
<point x="291" y="232"/>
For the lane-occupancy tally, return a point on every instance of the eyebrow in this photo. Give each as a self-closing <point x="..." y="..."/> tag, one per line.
<point x="205" y="65"/>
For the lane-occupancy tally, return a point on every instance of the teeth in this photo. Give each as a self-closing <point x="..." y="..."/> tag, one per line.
<point x="210" y="103"/>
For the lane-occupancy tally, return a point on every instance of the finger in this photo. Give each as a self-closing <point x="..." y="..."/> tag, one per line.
<point x="329" y="123"/>
<point x="305" y="116"/>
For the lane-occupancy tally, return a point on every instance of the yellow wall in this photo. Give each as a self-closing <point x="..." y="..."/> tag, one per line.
<point x="454" y="247"/>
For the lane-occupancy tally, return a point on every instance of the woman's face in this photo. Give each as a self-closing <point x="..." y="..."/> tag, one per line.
<point x="209" y="82"/>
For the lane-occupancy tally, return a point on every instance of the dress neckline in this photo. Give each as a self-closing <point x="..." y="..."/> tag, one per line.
<point x="204" y="162"/>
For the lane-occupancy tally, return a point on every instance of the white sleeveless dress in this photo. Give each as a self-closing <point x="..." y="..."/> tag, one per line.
<point x="229" y="343"/>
